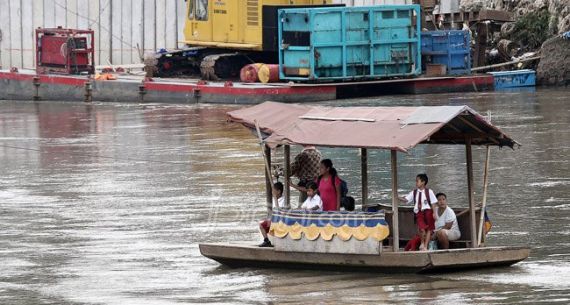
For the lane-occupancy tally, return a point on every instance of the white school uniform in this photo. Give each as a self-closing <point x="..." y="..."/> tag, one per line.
<point x="425" y="205"/>
<point x="312" y="202"/>
<point x="280" y="204"/>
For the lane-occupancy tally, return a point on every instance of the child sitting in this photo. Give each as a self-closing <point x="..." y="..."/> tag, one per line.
<point x="278" y="203"/>
<point x="313" y="202"/>
<point x="424" y="202"/>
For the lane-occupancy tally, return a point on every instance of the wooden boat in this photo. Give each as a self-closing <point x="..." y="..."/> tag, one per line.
<point x="368" y="241"/>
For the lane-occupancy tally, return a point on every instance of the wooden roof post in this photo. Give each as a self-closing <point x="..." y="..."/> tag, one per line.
<point x="395" y="223"/>
<point x="287" y="174"/>
<point x="484" y="201"/>
<point x="472" y="221"/>
<point x="268" y="180"/>
<point x="364" y="171"/>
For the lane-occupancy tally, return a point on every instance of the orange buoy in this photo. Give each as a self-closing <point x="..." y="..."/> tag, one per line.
<point x="268" y="73"/>
<point x="248" y="74"/>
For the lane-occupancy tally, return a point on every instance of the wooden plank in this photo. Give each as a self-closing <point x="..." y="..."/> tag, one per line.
<point x="71" y="14"/>
<point x="160" y="24"/>
<point x="364" y="173"/>
<point x="127" y="32"/>
<point x="149" y="25"/>
<point x="5" y="54"/>
<point x="480" y="45"/>
<point x="470" y="188"/>
<point x="137" y="31"/>
<point x="395" y="222"/>
<point x="16" y="33"/>
<point x="94" y="24"/>
<point x="171" y="25"/>
<point x="495" y="15"/>
<point x="287" y="174"/>
<point x="28" y="35"/>
<point x="116" y="32"/>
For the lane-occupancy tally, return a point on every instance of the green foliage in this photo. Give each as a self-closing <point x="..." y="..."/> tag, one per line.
<point x="532" y="29"/>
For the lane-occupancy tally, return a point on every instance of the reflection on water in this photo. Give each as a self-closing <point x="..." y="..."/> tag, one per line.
<point x="106" y="204"/>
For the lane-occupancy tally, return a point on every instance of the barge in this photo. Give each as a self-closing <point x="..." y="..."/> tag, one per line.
<point x="27" y="85"/>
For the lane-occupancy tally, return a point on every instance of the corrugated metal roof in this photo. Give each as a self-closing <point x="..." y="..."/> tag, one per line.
<point x="395" y="128"/>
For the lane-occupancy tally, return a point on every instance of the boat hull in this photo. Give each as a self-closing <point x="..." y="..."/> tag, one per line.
<point x="239" y="255"/>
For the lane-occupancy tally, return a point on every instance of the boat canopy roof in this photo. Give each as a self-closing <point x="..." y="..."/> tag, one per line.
<point x="393" y="128"/>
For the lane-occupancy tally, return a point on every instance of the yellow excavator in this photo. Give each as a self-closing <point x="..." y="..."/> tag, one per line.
<point x="222" y="36"/>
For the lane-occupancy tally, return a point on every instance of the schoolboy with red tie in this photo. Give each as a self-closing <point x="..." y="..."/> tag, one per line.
<point x="424" y="203"/>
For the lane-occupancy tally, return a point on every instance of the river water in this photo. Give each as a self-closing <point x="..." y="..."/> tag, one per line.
<point x="107" y="203"/>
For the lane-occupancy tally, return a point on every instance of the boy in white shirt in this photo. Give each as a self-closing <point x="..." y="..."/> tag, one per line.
<point x="446" y="227"/>
<point x="424" y="202"/>
<point x="313" y="201"/>
<point x="278" y="203"/>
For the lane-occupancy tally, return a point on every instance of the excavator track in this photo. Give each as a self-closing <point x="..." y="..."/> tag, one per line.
<point x="222" y="66"/>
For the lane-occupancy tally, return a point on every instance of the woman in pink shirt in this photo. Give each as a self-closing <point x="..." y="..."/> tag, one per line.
<point x="329" y="186"/>
<point x="329" y="191"/>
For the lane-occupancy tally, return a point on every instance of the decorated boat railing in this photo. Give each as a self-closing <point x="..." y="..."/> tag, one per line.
<point x="328" y="232"/>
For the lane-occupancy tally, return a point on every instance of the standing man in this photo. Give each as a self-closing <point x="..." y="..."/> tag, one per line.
<point x="305" y="166"/>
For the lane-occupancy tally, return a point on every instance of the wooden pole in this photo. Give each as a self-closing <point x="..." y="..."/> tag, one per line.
<point x="287" y="174"/>
<point x="268" y="181"/>
<point x="472" y="217"/>
<point x="480" y="45"/>
<point x="504" y="64"/>
<point x="364" y="171"/>
<point x="395" y="222"/>
<point x="484" y="202"/>
<point x="266" y="152"/>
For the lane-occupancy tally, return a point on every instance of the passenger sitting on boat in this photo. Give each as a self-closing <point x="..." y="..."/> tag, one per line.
<point x="446" y="227"/>
<point x="424" y="202"/>
<point x="279" y="202"/>
<point x="313" y="201"/>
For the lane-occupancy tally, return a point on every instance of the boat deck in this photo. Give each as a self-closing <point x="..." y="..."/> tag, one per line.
<point x="27" y="85"/>
<point x="247" y="254"/>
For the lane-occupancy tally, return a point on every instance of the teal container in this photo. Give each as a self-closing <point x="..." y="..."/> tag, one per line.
<point x="347" y="43"/>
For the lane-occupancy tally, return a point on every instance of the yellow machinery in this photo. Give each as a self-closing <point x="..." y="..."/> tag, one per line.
<point x="224" y="35"/>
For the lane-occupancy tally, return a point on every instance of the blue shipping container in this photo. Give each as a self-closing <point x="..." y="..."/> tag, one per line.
<point x="343" y="43"/>
<point x="514" y="79"/>
<point x="451" y="48"/>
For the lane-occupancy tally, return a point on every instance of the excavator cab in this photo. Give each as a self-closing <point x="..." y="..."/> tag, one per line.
<point x="222" y="36"/>
<point x="235" y="24"/>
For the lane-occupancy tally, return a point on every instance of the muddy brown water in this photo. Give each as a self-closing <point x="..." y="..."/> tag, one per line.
<point x="106" y="204"/>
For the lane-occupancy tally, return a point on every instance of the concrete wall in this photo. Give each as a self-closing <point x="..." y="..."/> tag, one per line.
<point x="123" y="28"/>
